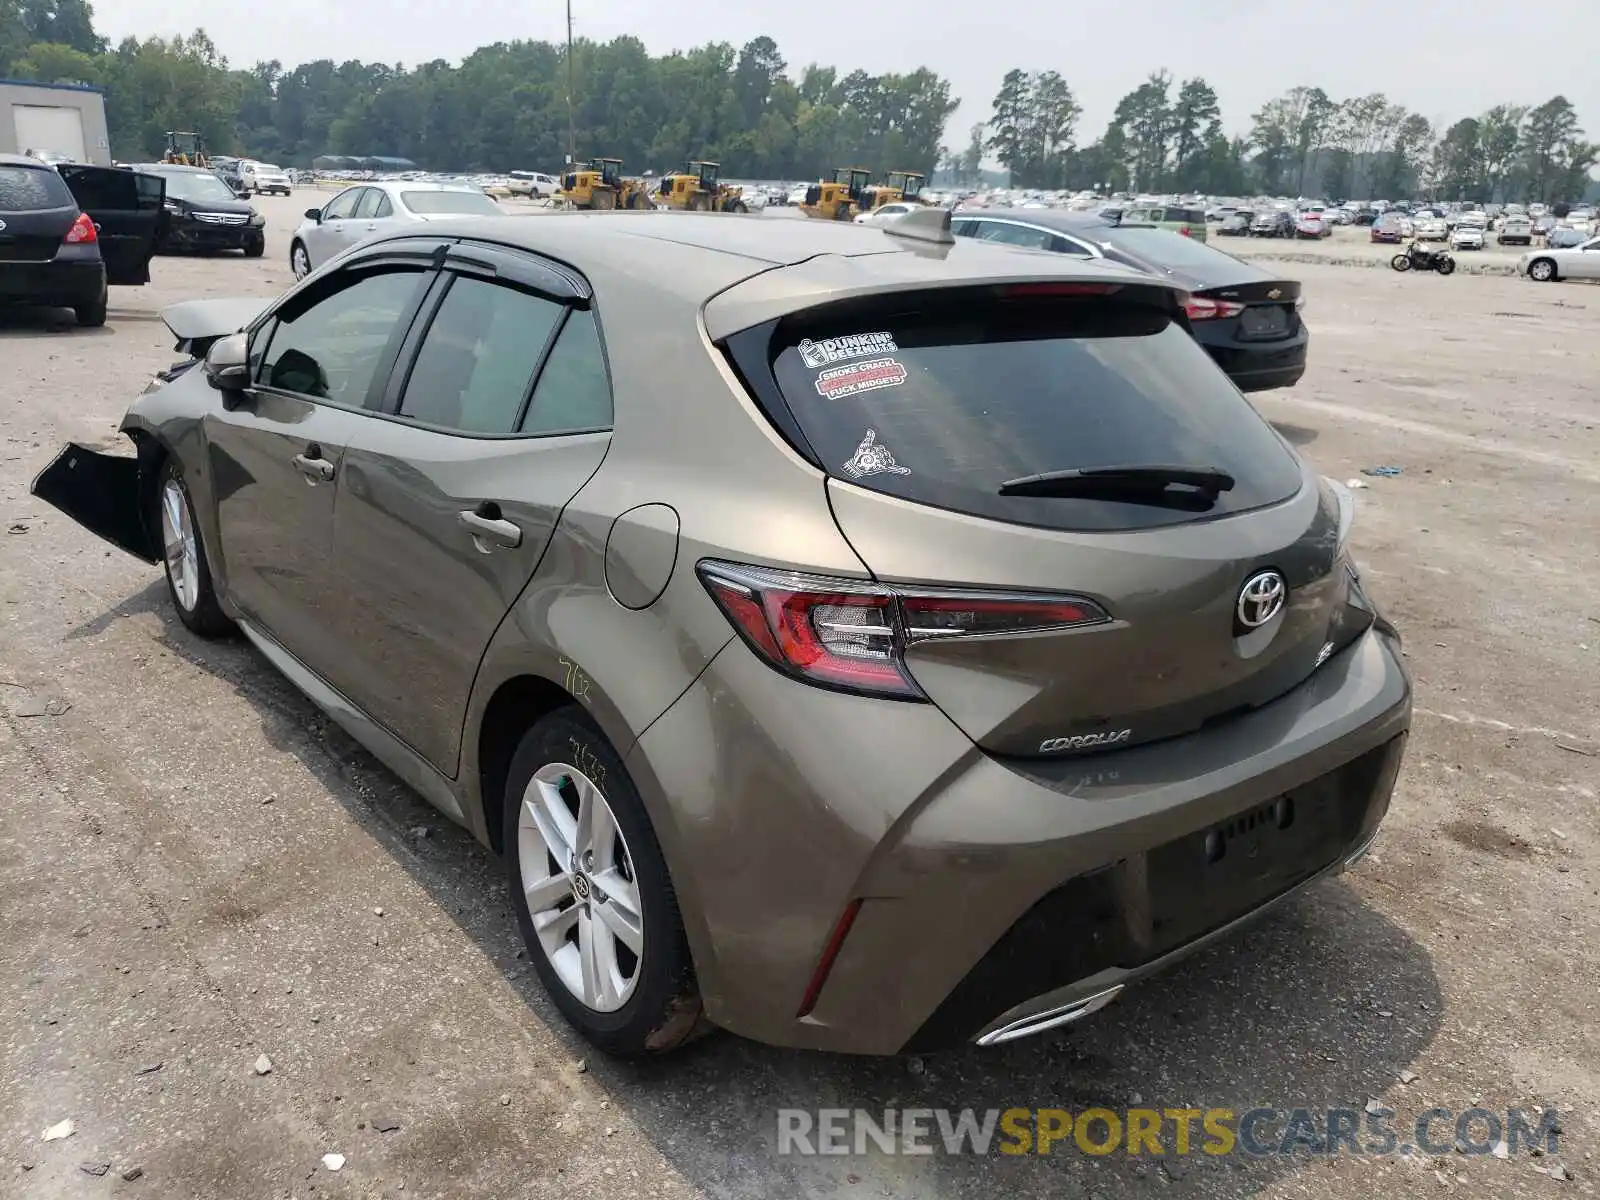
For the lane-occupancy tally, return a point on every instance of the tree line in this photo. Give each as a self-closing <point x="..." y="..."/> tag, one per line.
<point x="1167" y="136"/>
<point x="502" y="108"/>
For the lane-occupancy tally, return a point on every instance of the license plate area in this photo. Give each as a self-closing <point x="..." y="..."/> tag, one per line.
<point x="1264" y="321"/>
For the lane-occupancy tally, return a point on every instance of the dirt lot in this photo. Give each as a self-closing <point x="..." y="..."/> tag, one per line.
<point x="197" y="869"/>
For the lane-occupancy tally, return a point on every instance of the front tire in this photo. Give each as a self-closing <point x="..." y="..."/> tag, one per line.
<point x="256" y="248"/>
<point x="299" y="260"/>
<point x="1542" y="270"/>
<point x="1445" y="266"/>
<point x="184" y="557"/>
<point x="592" y="894"/>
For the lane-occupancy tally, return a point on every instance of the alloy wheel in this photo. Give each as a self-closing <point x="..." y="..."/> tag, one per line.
<point x="577" y="876"/>
<point x="177" y="537"/>
<point x="300" y="262"/>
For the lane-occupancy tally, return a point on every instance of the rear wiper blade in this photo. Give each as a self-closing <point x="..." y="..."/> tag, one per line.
<point x="1114" y="481"/>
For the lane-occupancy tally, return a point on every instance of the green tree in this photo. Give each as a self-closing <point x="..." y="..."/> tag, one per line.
<point x="1197" y="128"/>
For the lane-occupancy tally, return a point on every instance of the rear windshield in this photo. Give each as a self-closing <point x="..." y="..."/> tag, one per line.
<point x="1171" y="249"/>
<point x="942" y="407"/>
<point x="1191" y="216"/>
<point x="463" y="203"/>
<point x="28" y="189"/>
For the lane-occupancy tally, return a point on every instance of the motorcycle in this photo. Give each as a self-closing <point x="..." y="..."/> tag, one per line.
<point x="1419" y="257"/>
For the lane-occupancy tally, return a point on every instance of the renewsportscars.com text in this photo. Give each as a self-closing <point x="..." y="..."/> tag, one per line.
<point x="1259" y="1132"/>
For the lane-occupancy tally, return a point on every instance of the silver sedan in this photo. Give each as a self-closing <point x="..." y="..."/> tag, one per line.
<point x="369" y="209"/>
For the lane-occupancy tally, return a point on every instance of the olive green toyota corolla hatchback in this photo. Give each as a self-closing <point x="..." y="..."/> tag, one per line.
<point x="849" y="637"/>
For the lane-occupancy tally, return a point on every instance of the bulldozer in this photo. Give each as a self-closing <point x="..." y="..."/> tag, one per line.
<point x="840" y="199"/>
<point x="696" y="188"/>
<point x="185" y="149"/>
<point x="599" y="184"/>
<point x="903" y="187"/>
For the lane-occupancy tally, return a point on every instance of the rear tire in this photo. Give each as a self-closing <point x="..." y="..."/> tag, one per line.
<point x="184" y="557"/>
<point x="657" y="1007"/>
<point x="1542" y="270"/>
<point x="1401" y="262"/>
<point x="603" y="200"/>
<point x="738" y="206"/>
<point x="93" y="315"/>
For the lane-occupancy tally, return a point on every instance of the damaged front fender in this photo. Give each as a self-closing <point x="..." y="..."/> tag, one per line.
<point x="106" y="494"/>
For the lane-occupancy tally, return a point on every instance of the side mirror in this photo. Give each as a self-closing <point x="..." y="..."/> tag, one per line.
<point x="314" y="214"/>
<point x="228" y="363"/>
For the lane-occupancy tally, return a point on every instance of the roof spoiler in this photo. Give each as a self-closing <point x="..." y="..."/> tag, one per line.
<point x="923" y="225"/>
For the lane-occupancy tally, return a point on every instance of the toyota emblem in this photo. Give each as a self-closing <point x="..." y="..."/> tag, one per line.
<point x="2" y="224"/>
<point x="1261" y="599"/>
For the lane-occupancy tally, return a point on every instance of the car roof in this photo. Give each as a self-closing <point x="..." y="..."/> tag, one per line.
<point x="695" y="257"/>
<point x="22" y="160"/>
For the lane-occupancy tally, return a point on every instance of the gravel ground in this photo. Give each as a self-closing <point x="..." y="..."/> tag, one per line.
<point x="196" y="869"/>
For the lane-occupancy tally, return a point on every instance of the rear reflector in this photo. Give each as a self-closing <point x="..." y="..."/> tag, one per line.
<point x="82" y="232"/>
<point x="830" y="951"/>
<point x="1201" y="309"/>
<point x="851" y="634"/>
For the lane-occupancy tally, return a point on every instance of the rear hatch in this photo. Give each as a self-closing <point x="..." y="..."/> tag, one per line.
<point x="922" y="410"/>
<point x="36" y="213"/>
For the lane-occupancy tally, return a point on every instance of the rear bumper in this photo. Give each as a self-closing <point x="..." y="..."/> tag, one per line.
<point x="990" y="890"/>
<point x="52" y="284"/>
<point x="1258" y="366"/>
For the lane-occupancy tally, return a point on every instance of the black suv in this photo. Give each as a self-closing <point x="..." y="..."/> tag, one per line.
<point x="67" y="231"/>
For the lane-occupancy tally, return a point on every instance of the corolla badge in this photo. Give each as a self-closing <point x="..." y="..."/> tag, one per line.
<point x="1085" y="741"/>
<point x="1261" y="599"/>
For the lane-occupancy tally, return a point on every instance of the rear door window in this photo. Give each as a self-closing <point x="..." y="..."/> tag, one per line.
<point x="478" y="357"/>
<point x="32" y="189"/>
<point x="944" y="405"/>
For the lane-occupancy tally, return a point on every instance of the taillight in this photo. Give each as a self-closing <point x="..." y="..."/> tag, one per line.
<point x="1201" y="309"/>
<point x="1184" y="230"/>
<point x="852" y="634"/>
<point x="82" y="231"/>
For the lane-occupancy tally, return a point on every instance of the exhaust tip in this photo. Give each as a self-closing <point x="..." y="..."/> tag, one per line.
<point x="1051" y="1018"/>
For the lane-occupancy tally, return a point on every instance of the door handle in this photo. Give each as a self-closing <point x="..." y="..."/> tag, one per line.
<point x="490" y="533"/>
<point x="313" y="466"/>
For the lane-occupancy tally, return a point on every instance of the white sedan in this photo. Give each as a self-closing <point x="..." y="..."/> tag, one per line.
<point x="1547" y="266"/>
<point x="1466" y="237"/>
<point x="886" y="212"/>
<point x="1430" y="228"/>
<point x="368" y="209"/>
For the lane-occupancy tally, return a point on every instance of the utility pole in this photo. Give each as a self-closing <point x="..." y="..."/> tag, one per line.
<point x="571" y="148"/>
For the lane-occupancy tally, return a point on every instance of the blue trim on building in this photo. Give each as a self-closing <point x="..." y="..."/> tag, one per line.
<point x="60" y="87"/>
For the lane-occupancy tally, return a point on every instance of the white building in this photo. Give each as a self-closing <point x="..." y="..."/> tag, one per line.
<point x="66" y="118"/>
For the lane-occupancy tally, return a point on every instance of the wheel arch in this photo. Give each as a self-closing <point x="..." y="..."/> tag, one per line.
<point x="514" y="707"/>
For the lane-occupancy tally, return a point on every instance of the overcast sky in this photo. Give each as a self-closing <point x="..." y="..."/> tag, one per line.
<point x="1443" y="60"/>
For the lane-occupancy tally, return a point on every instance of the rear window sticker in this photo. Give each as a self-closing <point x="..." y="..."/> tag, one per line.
<point x="873" y="458"/>
<point x="860" y="377"/>
<point x="856" y="345"/>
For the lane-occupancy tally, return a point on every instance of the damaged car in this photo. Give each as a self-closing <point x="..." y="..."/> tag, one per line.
<point x="856" y="638"/>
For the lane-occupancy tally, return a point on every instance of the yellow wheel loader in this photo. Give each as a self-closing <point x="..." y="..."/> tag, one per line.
<point x="697" y="188"/>
<point x="185" y="149"/>
<point x="840" y="199"/>
<point x="599" y="185"/>
<point x="903" y="186"/>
